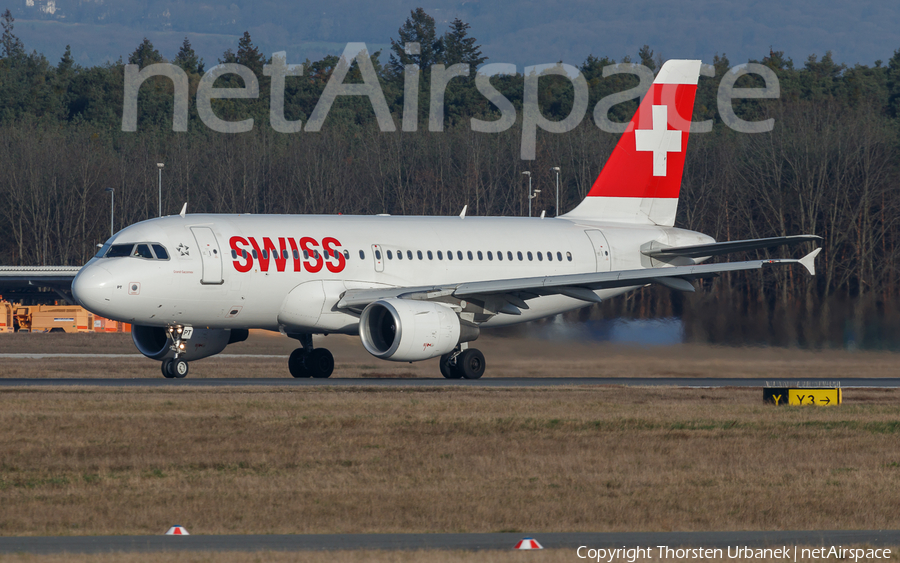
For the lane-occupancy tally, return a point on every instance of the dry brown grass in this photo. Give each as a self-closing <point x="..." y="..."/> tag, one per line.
<point x="506" y="357"/>
<point x="370" y="556"/>
<point x="331" y="460"/>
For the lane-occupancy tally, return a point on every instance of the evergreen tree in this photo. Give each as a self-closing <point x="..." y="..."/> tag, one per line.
<point x="66" y="63"/>
<point x="459" y="48"/>
<point x="646" y="56"/>
<point x="12" y="45"/>
<point x="893" y="85"/>
<point x="187" y="59"/>
<point x="249" y="56"/>
<point x="418" y="28"/>
<point x="145" y="55"/>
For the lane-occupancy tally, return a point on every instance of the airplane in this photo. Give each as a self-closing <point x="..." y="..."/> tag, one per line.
<point x="415" y="287"/>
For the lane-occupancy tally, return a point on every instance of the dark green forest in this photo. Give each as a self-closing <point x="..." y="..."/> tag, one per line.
<point x="829" y="167"/>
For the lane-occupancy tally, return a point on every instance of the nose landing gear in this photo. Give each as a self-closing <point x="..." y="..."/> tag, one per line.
<point x="177" y="367"/>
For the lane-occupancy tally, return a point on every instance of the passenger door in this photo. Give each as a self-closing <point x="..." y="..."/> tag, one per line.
<point x="210" y="256"/>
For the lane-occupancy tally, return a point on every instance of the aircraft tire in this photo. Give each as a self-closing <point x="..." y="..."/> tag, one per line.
<point x="470" y="363"/>
<point x="447" y="370"/>
<point x="179" y="369"/>
<point x="164" y="367"/>
<point x="320" y="363"/>
<point x="297" y="363"/>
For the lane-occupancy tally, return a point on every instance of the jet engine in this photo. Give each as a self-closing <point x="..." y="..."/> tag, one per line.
<point x="155" y="343"/>
<point x="406" y="331"/>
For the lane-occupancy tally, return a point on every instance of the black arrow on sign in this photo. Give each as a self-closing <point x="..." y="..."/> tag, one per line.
<point x="826" y="400"/>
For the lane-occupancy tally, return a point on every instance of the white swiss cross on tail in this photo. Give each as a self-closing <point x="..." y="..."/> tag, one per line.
<point x="641" y="179"/>
<point x="660" y="140"/>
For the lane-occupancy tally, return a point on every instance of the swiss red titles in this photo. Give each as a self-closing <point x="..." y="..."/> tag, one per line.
<point x="303" y="254"/>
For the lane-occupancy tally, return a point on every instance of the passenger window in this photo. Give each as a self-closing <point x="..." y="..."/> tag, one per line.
<point x="378" y="255"/>
<point x="254" y="253"/>
<point x="346" y="254"/>
<point x="540" y="257"/>
<point x="449" y="255"/>
<point x="509" y="255"/>
<point x="234" y="254"/>
<point x="265" y="254"/>
<point x="480" y="255"/>
<point x="499" y="255"/>
<point x="160" y="252"/>
<point x="440" y="255"/>
<point x="296" y="254"/>
<point x="409" y="254"/>
<point x="530" y="257"/>
<point x="419" y="254"/>
<point x="430" y="256"/>
<point x="390" y="255"/>
<point x="549" y="257"/>
<point x="305" y="254"/>
<point x="569" y="256"/>
<point x="316" y="254"/>
<point x="519" y="254"/>
<point x="559" y="256"/>
<point x="244" y="253"/>
<point x="490" y="255"/>
<point x="469" y="254"/>
<point x="284" y="254"/>
<point x="362" y="255"/>
<point x="399" y="255"/>
<point x="459" y="254"/>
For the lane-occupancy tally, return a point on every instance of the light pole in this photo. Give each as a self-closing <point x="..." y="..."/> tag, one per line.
<point x="556" y="169"/>
<point x="160" y="165"/>
<point x="112" y="210"/>
<point x="527" y="173"/>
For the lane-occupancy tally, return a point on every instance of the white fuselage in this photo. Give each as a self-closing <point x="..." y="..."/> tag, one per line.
<point x="202" y="284"/>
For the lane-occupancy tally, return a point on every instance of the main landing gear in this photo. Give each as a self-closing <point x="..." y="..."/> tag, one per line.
<point x="308" y="361"/>
<point x="177" y="368"/>
<point x="463" y="363"/>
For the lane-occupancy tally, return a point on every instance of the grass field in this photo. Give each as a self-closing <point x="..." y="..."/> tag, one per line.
<point x="506" y="357"/>
<point x="93" y="461"/>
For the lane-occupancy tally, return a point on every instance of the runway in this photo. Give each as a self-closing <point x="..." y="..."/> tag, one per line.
<point x="687" y="382"/>
<point x="469" y="542"/>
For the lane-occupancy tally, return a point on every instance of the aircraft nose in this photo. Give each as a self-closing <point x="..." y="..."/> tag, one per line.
<point x="93" y="287"/>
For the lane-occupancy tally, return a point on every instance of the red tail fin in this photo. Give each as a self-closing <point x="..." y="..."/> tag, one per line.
<point x="641" y="180"/>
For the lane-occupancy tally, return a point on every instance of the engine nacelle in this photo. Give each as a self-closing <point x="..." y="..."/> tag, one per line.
<point x="154" y="341"/>
<point x="406" y="331"/>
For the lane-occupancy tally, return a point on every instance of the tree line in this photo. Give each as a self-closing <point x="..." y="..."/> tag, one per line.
<point x="829" y="167"/>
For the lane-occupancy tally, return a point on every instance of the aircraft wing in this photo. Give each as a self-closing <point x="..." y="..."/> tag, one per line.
<point x="19" y="279"/>
<point x="717" y="248"/>
<point x="517" y="291"/>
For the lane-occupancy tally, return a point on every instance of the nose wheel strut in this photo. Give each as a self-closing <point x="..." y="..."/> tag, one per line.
<point x="176" y="367"/>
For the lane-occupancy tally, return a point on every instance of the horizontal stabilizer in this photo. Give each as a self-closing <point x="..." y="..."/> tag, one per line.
<point x="717" y="248"/>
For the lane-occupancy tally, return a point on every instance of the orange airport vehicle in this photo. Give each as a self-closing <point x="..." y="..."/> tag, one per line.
<point x="54" y="318"/>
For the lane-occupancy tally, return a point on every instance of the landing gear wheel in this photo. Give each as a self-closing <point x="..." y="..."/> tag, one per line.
<point x="447" y="370"/>
<point x="297" y="363"/>
<point x="320" y="363"/>
<point x="470" y="363"/>
<point x="179" y="368"/>
<point x="164" y="366"/>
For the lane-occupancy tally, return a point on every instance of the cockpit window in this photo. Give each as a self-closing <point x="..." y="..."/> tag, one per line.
<point x="119" y="250"/>
<point x="143" y="250"/>
<point x="160" y="251"/>
<point x="137" y="250"/>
